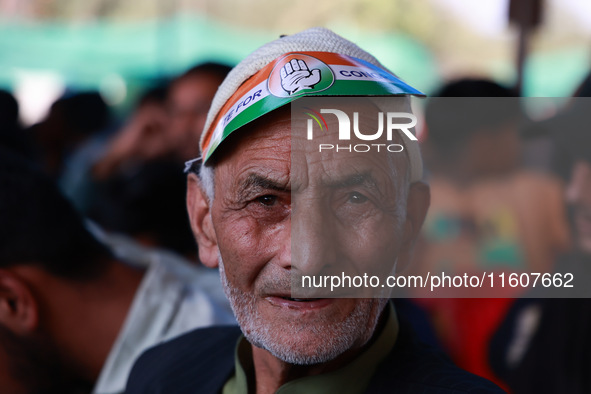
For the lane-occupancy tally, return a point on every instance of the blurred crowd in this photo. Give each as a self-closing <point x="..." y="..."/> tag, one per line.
<point x="121" y="176"/>
<point x="97" y="258"/>
<point x="507" y="195"/>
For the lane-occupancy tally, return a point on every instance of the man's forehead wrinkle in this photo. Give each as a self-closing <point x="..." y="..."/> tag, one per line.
<point x="262" y="139"/>
<point x="315" y="170"/>
<point x="273" y="126"/>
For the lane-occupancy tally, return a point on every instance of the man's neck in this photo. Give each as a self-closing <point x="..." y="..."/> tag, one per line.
<point x="92" y="314"/>
<point x="271" y="373"/>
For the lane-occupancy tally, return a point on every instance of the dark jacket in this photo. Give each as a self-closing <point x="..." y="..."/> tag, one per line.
<point x="203" y="360"/>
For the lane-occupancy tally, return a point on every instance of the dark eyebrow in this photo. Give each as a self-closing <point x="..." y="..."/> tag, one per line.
<point x="259" y="182"/>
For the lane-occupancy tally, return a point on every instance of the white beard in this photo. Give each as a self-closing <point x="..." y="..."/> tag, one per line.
<point x="332" y="338"/>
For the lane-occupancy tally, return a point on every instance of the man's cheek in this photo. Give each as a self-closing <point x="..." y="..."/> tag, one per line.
<point x="244" y="252"/>
<point x="373" y="252"/>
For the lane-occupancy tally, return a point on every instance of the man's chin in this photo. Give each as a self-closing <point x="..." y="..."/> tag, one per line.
<point x="300" y="345"/>
<point x="303" y="332"/>
<point x="319" y="335"/>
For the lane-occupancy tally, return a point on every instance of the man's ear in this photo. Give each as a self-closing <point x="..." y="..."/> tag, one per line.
<point x="417" y="204"/>
<point x="201" y="222"/>
<point x="19" y="310"/>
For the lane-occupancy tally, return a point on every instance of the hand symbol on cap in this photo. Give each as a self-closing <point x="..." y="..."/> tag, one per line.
<point x="296" y="75"/>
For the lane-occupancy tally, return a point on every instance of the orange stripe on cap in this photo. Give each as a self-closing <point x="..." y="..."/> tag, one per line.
<point x="264" y="75"/>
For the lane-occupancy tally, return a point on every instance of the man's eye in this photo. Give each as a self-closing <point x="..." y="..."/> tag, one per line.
<point x="357" y="198"/>
<point x="267" y="200"/>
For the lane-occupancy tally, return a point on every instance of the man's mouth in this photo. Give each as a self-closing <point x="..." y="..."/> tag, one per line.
<point x="297" y="303"/>
<point x="300" y="299"/>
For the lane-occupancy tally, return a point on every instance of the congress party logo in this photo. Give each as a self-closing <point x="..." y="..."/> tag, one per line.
<point x="296" y="74"/>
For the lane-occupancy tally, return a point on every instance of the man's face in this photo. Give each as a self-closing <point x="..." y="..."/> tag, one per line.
<point x="280" y="208"/>
<point x="188" y="102"/>
<point x="578" y="195"/>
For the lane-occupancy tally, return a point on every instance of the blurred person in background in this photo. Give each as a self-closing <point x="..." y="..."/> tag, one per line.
<point x="146" y="204"/>
<point x="138" y="186"/>
<point x="69" y="139"/>
<point x="11" y="133"/>
<point x="138" y="194"/>
<point x="166" y="129"/>
<point x="543" y="346"/>
<point x="142" y="138"/>
<point x="73" y="315"/>
<point x="188" y="101"/>
<point x="9" y="111"/>
<point x="72" y="120"/>
<point x="487" y="214"/>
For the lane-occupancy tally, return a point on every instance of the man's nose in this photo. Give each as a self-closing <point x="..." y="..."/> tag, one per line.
<point x="313" y="243"/>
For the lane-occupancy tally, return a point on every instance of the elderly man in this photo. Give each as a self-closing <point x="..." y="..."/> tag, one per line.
<point x="275" y="203"/>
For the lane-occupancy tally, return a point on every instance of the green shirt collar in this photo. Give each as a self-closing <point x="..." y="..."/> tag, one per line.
<point x="353" y="378"/>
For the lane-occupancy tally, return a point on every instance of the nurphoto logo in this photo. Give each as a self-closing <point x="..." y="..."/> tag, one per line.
<point x="402" y="121"/>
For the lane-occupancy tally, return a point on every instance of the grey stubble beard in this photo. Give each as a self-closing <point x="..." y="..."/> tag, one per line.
<point x="333" y="338"/>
